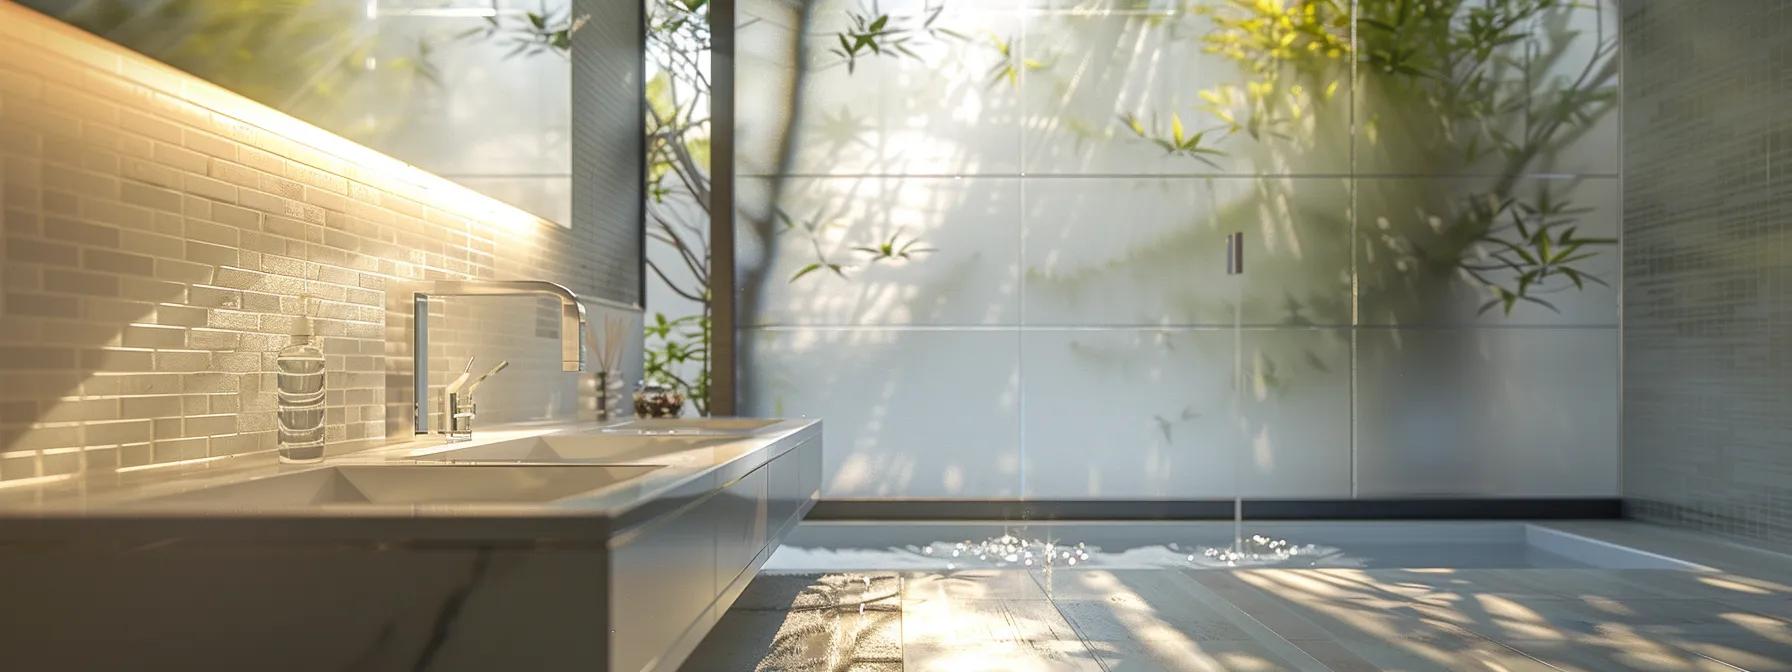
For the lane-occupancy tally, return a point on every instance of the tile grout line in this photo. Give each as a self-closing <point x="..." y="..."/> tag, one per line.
<point x="1020" y="244"/>
<point x="1438" y="177"/>
<point x="1001" y="328"/>
<point x="1355" y="277"/>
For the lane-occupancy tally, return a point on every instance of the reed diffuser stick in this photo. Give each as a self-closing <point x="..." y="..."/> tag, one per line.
<point x="614" y="328"/>
<point x="609" y="360"/>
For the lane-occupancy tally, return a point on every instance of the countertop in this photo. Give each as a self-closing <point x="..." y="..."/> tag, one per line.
<point x="118" y="506"/>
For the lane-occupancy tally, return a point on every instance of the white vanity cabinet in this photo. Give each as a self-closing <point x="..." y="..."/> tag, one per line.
<point x="674" y="575"/>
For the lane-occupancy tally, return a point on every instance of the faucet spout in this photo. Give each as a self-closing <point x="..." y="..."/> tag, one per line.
<point x="572" y="324"/>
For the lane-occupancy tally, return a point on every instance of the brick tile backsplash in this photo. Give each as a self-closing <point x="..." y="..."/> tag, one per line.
<point x="162" y="238"/>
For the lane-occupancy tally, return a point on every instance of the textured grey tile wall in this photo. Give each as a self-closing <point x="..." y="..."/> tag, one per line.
<point x="160" y="235"/>
<point x="1708" y="265"/>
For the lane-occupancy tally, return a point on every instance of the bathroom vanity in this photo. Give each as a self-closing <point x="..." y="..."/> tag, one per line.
<point x="533" y="548"/>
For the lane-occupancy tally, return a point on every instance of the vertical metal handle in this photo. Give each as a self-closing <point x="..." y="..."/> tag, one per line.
<point x="1235" y="253"/>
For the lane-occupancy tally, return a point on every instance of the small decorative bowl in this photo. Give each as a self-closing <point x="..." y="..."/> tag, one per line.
<point x="658" y="401"/>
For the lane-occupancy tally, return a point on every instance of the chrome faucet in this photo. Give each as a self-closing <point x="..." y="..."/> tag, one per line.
<point x="458" y="409"/>
<point x="572" y="326"/>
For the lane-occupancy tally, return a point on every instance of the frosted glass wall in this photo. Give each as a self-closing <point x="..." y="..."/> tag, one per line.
<point x="988" y="251"/>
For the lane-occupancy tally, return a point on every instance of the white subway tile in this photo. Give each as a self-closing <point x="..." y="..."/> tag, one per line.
<point x="77" y="282"/>
<point x="207" y="253"/>
<point x="76" y="231"/>
<point x="148" y="126"/>
<point x="208" y="187"/>
<point x="209" y="144"/>
<point x="117" y="262"/>
<point x="154" y="336"/>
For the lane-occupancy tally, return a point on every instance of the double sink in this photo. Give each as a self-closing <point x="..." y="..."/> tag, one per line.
<point x="527" y="470"/>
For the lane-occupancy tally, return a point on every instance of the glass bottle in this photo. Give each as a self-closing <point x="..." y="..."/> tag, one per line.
<point x="299" y="382"/>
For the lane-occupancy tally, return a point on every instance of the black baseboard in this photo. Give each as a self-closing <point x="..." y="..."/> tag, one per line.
<point x="1201" y="509"/>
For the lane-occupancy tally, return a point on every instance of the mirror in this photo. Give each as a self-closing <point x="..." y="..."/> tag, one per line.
<point x="476" y="91"/>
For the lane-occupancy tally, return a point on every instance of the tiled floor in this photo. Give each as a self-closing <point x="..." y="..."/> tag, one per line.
<point x="1271" y="619"/>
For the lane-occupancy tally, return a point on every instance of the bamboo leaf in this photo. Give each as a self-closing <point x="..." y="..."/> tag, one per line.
<point x="1132" y="122"/>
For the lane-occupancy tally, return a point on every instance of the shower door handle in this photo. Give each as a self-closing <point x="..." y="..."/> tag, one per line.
<point x="1235" y="253"/>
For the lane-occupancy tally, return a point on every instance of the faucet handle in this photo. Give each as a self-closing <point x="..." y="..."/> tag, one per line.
<point x="460" y="381"/>
<point x="458" y="407"/>
<point x="475" y="384"/>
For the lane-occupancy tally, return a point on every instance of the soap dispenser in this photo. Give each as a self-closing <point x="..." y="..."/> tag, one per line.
<point x="299" y="383"/>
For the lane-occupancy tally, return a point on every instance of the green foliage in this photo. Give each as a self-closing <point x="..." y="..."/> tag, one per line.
<point x="675" y="346"/>
<point x="1461" y="75"/>
<point x="814" y="266"/>
<point x="895" y="248"/>
<point x="1011" y="65"/>
<point x="1443" y="40"/>
<point x="811" y="228"/>
<point x="678" y="15"/>
<point x="1454" y="72"/>
<point x="1177" y="141"/>
<point x="872" y="32"/>
<point x="865" y="35"/>
<point x="1290" y="53"/>
<point x="678" y="188"/>
<point x="1534" y="245"/>
<point x="533" y="33"/>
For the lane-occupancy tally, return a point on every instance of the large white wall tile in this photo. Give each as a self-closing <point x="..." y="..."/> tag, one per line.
<point x="1141" y="414"/>
<point x="907" y="413"/>
<point x="765" y="65"/>
<point x="1151" y="251"/>
<point x="963" y="266"/>
<point x="1488" y="412"/>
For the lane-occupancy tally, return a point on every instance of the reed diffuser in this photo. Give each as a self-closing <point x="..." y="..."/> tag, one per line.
<point x="609" y="363"/>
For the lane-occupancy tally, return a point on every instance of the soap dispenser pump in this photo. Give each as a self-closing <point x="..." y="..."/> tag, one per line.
<point x="299" y="384"/>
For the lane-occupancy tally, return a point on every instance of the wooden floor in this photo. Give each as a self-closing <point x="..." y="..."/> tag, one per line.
<point x="1263" y="619"/>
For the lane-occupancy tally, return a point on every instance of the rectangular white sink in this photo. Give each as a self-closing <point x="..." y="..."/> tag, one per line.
<point x="403" y="485"/>
<point x="570" y="448"/>
<point x="692" y="426"/>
